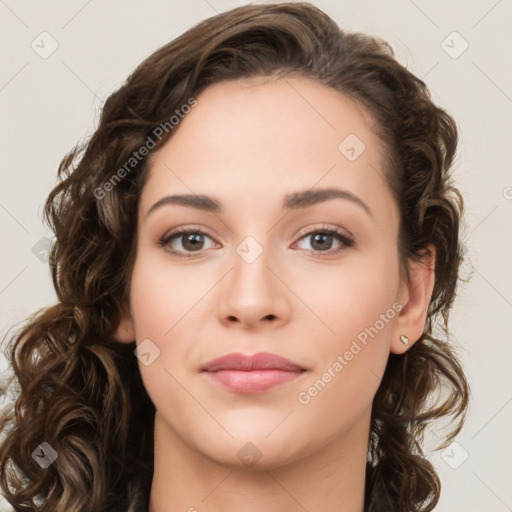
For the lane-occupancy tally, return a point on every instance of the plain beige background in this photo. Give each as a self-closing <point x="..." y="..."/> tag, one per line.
<point x="461" y="49"/>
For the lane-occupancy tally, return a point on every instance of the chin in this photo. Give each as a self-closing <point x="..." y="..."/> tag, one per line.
<point x="257" y="454"/>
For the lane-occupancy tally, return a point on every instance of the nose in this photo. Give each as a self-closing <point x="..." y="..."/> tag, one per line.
<point x="253" y="296"/>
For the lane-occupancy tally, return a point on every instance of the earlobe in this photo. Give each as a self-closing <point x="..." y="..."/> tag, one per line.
<point x="416" y="293"/>
<point x="125" y="332"/>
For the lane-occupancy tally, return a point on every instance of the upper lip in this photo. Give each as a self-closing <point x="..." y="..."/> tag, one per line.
<point x="259" y="361"/>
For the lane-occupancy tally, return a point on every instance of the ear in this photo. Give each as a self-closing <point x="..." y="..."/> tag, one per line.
<point x="414" y="296"/>
<point x="125" y="332"/>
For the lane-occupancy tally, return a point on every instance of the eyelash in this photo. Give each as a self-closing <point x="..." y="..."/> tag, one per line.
<point x="342" y="237"/>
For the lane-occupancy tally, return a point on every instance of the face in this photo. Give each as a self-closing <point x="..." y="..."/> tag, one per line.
<point x="316" y="281"/>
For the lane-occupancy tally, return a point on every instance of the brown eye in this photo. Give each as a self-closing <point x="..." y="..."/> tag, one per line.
<point x="192" y="241"/>
<point x="183" y="242"/>
<point x="321" y="241"/>
<point x="326" y="240"/>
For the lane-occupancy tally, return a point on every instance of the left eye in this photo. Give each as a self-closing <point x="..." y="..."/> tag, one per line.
<point x="322" y="241"/>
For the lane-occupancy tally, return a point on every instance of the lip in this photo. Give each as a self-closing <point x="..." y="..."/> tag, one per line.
<point x="259" y="361"/>
<point x="251" y="373"/>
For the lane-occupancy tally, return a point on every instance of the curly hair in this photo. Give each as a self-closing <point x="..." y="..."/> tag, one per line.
<point x="81" y="391"/>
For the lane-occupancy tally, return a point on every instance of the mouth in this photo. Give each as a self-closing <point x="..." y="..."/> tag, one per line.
<point x="252" y="381"/>
<point x="251" y="374"/>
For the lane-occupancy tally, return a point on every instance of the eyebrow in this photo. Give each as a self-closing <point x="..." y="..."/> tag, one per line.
<point x="293" y="201"/>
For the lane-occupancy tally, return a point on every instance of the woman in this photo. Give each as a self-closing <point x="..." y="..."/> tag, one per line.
<point x="252" y="252"/>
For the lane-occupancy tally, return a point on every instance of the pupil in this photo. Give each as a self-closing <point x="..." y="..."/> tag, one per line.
<point x="195" y="241"/>
<point x="320" y="238"/>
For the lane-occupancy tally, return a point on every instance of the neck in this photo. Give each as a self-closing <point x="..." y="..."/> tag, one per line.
<point x="330" y="479"/>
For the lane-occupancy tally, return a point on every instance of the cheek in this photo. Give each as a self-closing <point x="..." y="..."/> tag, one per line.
<point x="167" y="304"/>
<point x="351" y="297"/>
<point x="164" y="297"/>
<point x="162" y="304"/>
<point x="356" y="308"/>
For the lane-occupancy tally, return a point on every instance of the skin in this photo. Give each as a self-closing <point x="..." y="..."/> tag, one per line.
<point x="248" y="144"/>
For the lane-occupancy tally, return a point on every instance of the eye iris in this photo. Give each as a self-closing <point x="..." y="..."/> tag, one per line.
<point x="195" y="240"/>
<point x="323" y="239"/>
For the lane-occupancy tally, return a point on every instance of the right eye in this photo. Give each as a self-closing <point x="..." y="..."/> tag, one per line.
<point x="183" y="242"/>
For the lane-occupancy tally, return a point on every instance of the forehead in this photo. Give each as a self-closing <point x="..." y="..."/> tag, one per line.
<point x="261" y="139"/>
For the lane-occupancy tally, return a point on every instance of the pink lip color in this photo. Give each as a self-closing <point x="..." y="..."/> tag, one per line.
<point x="251" y="374"/>
<point x="252" y="381"/>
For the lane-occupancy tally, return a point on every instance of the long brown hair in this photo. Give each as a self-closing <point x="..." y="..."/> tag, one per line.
<point x="81" y="392"/>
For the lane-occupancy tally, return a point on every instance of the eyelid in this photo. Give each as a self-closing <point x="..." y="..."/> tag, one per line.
<point x="185" y="229"/>
<point x="308" y="230"/>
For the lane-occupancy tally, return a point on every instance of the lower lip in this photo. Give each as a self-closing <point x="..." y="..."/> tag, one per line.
<point x="253" y="381"/>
